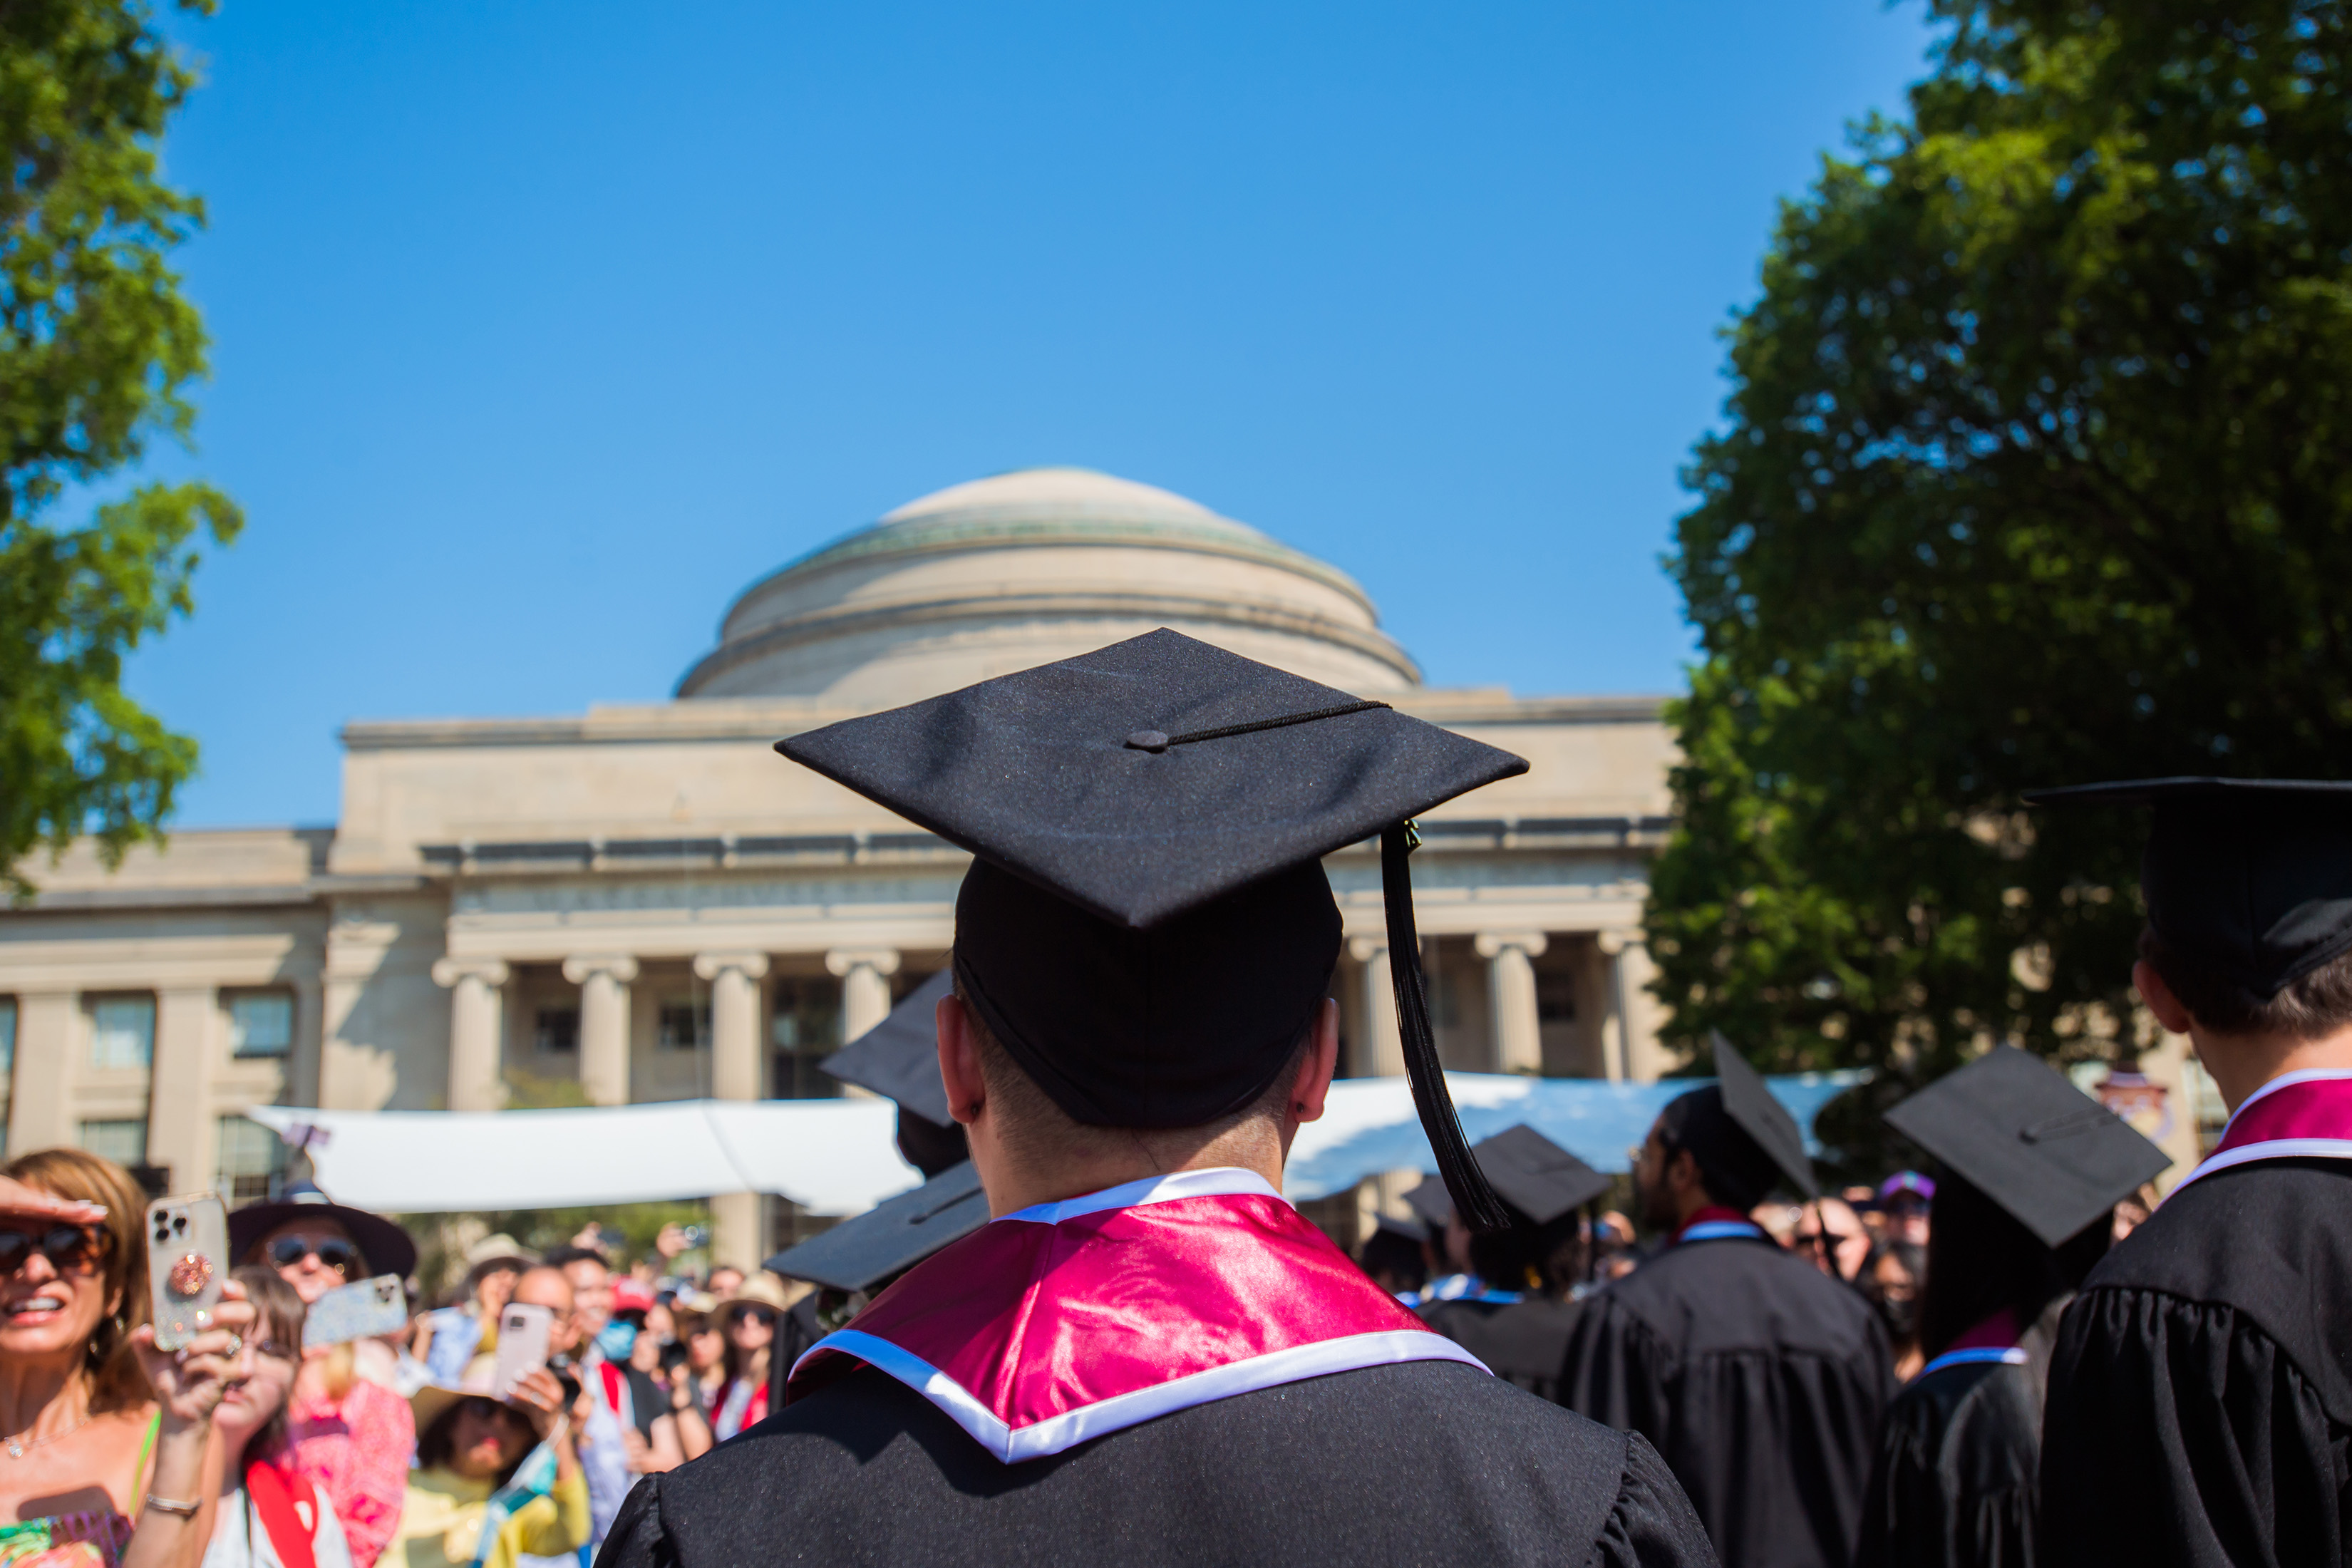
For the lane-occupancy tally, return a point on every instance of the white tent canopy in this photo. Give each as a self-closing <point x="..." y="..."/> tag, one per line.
<point x="841" y="1157"/>
<point x="830" y="1156"/>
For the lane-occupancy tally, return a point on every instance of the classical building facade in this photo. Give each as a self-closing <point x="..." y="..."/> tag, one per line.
<point x="643" y="903"/>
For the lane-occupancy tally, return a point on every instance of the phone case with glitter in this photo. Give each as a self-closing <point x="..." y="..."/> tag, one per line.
<point x="187" y="1259"/>
<point x="359" y="1311"/>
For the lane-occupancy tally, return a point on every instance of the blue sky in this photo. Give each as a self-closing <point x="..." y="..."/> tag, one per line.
<point x="541" y="329"/>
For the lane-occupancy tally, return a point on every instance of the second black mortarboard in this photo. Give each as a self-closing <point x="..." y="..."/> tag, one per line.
<point x="1535" y="1175"/>
<point x="1737" y="1131"/>
<point x="868" y="1251"/>
<point x="2249" y="877"/>
<point x="2013" y="1127"/>
<point x="898" y="1058"/>
<point x="1432" y="1204"/>
<point x="1147" y="929"/>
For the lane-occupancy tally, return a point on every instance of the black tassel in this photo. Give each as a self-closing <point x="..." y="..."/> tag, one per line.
<point x="1474" y="1202"/>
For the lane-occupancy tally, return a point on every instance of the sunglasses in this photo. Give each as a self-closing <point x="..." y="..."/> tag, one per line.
<point x="340" y="1255"/>
<point x="759" y="1315"/>
<point x="71" y="1249"/>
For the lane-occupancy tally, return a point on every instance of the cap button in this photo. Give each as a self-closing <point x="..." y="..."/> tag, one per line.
<point x="1148" y="741"/>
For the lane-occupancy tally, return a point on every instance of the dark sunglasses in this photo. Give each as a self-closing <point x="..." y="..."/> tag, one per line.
<point x="71" y="1249"/>
<point x="288" y="1250"/>
<point x="760" y="1315"/>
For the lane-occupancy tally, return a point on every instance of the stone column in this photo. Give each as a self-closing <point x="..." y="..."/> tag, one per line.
<point x="474" y="1074"/>
<point x="1629" y="1030"/>
<point x="864" y="987"/>
<point x="1511" y="998"/>
<point x="302" y="1062"/>
<point x="739" y="1232"/>
<point x="1381" y="1054"/>
<point x="604" y="981"/>
<point x="48" y="1047"/>
<point x="179" y="1119"/>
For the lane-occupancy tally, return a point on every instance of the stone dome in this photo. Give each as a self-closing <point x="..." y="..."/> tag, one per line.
<point x="1021" y="569"/>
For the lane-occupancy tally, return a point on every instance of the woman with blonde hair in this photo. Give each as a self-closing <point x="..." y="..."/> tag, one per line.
<point x="78" y="1417"/>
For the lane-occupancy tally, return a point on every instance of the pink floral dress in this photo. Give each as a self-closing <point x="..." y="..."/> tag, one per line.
<point x="358" y="1451"/>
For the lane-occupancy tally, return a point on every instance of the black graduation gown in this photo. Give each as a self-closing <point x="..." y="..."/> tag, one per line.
<point x="1418" y="1462"/>
<point x="1759" y="1378"/>
<point x="2200" y="1395"/>
<point x="1955" y="1482"/>
<point x="1523" y="1343"/>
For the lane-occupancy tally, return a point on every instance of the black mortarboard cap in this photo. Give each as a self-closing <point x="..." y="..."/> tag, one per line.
<point x="1766" y="1121"/>
<point x="2253" y="877"/>
<point x="1432" y="1204"/>
<point x="887" y="1240"/>
<point x="2013" y="1128"/>
<point x="898" y="1058"/>
<point x="1147" y="929"/>
<point x="1410" y="1229"/>
<point x="1536" y="1175"/>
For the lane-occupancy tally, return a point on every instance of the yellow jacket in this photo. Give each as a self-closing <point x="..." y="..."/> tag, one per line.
<point x="441" y="1524"/>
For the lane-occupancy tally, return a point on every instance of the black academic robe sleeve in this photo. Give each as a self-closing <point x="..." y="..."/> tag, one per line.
<point x="1955" y="1482"/>
<point x="2180" y="1436"/>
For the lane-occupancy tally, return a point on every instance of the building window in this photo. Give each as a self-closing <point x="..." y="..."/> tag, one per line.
<point x="261" y="1023"/>
<point x="1555" y="996"/>
<point x="124" y="1141"/>
<point x="122" y="1034"/>
<point x="806" y="1030"/>
<point x="557" y="1030"/>
<point x="682" y="1026"/>
<point x="252" y="1162"/>
<point x="8" y="1040"/>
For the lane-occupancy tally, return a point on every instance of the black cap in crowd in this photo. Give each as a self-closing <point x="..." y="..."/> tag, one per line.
<point x="1738" y="1133"/>
<point x="899" y="1057"/>
<point x="866" y="1252"/>
<point x="2054" y="1158"/>
<point x="1146" y="927"/>
<point x="1432" y="1203"/>
<point x="1536" y="1176"/>
<point x="2251" y="877"/>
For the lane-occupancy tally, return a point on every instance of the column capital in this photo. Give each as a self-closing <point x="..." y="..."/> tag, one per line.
<point x="1491" y="943"/>
<point x="1363" y="949"/>
<point x="711" y="965"/>
<point x="451" y="971"/>
<point x="880" y="960"/>
<point x="620" y="966"/>
<point x="1617" y="939"/>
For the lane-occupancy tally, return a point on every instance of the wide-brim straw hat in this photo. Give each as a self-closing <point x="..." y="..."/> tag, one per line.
<point x="764" y="1290"/>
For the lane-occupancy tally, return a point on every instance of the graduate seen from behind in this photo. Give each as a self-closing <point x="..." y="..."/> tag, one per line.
<point x="1760" y="1378"/>
<point x="1147" y="1355"/>
<point x="2024" y="1207"/>
<point x="2200" y="1395"/>
<point x="1518" y="1320"/>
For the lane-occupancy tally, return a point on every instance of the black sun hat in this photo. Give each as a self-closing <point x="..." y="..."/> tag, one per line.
<point x="388" y="1249"/>
<point x="2051" y="1156"/>
<point x="2250" y="876"/>
<point x="1147" y="927"/>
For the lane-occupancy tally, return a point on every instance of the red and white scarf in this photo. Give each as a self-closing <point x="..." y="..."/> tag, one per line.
<point x="1068" y="1321"/>
<point x="2297" y="1115"/>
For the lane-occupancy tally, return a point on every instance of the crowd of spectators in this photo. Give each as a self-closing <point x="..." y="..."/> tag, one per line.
<point x="396" y="1448"/>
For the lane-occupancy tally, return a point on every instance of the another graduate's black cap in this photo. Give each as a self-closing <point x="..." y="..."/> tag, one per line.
<point x="1432" y="1204"/>
<point x="1147" y="927"/>
<point x="1738" y="1133"/>
<point x="2013" y="1128"/>
<point x="1535" y="1175"/>
<point x="2250" y="876"/>
<point x="1398" y="1225"/>
<point x="868" y="1252"/>
<point x="898" y="1058"/>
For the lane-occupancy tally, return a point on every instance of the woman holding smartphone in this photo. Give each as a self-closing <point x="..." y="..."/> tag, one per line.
<point x="352" y="1431"/>
<point x="76" y="1417"/>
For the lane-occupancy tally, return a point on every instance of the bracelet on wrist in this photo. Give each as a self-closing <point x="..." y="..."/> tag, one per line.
<point x="173" y="1506"/>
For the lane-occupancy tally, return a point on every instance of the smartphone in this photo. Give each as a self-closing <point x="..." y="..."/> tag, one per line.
<point x="187" y="1260"/>
<point x="522" y="1345"/>
<point x="359" y="1311"/>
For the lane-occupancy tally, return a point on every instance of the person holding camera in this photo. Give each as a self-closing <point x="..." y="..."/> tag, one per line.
<point x="498" y="1478"/>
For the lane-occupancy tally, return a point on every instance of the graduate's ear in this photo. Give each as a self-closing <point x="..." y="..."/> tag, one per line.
<point x="1317" y="1067"/>
<point x="1683" y="1173"/>
<point x="2161" y="1002"/>
<point x="959" y="1072"/>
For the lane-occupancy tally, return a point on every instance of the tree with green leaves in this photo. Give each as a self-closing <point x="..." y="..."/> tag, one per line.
<point x="97" y="350"/>
<point x="2037" y="469"/>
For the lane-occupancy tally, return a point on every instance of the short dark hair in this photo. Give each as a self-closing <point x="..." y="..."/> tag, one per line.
<point x="2307" y="1008"/>
<point x="565" y="1257"/>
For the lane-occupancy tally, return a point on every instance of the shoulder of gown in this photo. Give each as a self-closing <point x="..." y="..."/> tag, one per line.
<point x="2201" y="1394"/>
<point x="1954" y="1483"/>
<point x="1419" y="1460"/>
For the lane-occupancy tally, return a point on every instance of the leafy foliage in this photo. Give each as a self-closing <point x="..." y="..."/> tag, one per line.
<point x="2038" y="469"/>
<point x="97" y="350"/>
